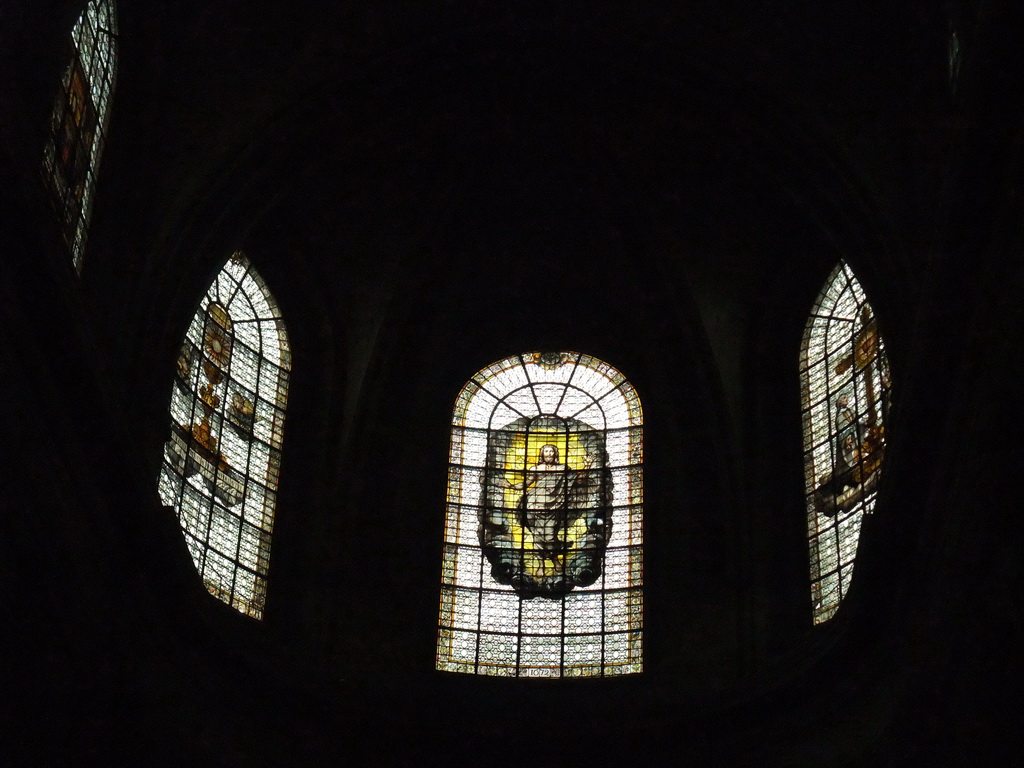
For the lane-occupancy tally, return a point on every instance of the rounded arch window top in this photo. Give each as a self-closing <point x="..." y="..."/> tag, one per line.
<point x="542" y="571"/>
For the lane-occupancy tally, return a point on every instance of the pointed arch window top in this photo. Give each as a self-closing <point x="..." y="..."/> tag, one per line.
<point x="542" y="573"/>
<point x="255" y="317"/>
<point x="221" y="465"/>
<point x="846" y="390"/>
<point x="91" y="34"/>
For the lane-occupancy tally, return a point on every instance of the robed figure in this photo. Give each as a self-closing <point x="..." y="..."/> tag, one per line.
<point x="545" y="531"/>
<point x="859" y="429"/>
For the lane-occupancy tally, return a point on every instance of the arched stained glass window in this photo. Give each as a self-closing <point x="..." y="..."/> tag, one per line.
<point x="79" y="123"/>
<point x="845" y="381"/>
<point x="543" y="570"/>
<point x="221" y="464"/>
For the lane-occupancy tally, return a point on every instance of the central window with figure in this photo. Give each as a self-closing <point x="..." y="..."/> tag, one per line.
<point x="542" y="572"/>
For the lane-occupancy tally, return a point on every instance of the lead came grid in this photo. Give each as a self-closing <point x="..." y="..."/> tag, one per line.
<point x="73" y="132"/>
<point x="485" y="627"/>
<point x="845" y="390"/>
<point x="225" y="490"/>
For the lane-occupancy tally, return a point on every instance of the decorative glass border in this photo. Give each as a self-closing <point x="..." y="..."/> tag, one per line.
<point x="221" y="465"/>
<point x="78" y="126"/>
<point x="542" y="570"/>
<point x="845" y="386"/>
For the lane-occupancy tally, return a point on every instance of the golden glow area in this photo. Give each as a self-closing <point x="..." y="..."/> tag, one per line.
<point x="525" y="452"/>
<point x="542" y="570"/>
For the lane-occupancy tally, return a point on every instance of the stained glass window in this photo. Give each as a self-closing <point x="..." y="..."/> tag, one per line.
<point x="845" y="381"/>
<point x="221" y="465"/>
<point x="542" y="570"/>
<point x="79" y="121"/>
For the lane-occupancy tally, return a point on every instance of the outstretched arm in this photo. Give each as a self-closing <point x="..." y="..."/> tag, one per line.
<point x="530" y="479"/>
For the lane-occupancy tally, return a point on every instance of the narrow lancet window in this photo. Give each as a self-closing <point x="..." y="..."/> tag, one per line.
<point x="221" y="465"/>
<point x="542" y="573"/>
<point x="78" y="125"/>
<point x="845" y="381"/>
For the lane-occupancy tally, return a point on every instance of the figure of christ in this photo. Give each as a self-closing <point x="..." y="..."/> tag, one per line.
<point x="545" y="507"/>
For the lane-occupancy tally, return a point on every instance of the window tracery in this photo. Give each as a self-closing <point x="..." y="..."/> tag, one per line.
<point x="78" y="125"/>
<point x="542" y="572"/>
<point x="846" y="388"/>
<point x="221" y="465"/>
